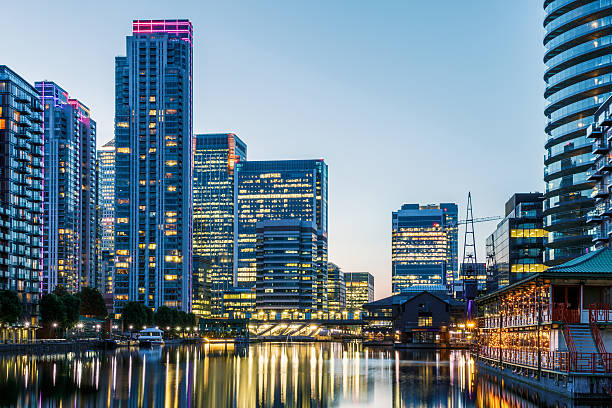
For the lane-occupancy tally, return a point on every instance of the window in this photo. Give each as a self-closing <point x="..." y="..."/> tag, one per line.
<point x="425" y="320"/>
<point x="2" y="123"/>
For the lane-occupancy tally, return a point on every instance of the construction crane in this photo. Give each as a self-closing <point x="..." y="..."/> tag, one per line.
<point x="475" y="220"/>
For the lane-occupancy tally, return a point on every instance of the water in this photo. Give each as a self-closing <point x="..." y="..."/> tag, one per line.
<point x="264" y="375"/>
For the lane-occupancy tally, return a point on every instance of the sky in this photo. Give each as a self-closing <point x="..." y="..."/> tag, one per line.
<point x="407" y="101"/>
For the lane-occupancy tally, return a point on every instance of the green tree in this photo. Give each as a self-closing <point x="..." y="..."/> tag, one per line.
<point x="164" y="317"/>
<point x="72" y="303"/>
<point x="92" y="303"/>
<point x="10" y="307"/>
<point x="137" y="315"/>
<point x="52" y="309"/>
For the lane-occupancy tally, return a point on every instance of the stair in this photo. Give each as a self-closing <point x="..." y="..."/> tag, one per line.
<point x="584" y="342"/>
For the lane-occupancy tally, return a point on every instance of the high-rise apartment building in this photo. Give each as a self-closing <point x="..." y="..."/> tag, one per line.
<point x="21" y="189"/>
<point x="336" y="288"/>
<point x="291" y="266"/>
<point x="275" y="190"/>
<point x="516" y="248"/>
<point x="359" y="289"/>
<point x="153" y="162"/>
<point x="214" y="209"/>
<point x="600" y="218"/>
<point x="106" y="211"/>
<point x="578" y="58"/>
<point x="70" y="222"/>
<point x="421" y="251"/>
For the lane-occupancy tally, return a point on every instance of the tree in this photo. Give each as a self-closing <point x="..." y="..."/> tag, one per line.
<point x="10" y="307"/>
<point x="92" y="303"/>
<point x="164" y="317"/>
<point x="52" y="309"/>
<point x="136" y="314"/>
<point x="72" y="303"/>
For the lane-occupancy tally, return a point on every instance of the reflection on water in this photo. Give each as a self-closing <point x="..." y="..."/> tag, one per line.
<point x="265" y="375"/>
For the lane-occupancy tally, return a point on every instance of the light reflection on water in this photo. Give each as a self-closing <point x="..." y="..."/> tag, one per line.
<point x="265" y="375"/>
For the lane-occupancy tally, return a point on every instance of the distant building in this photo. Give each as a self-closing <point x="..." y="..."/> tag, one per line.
<point x="153" y="178"/>
<point x="200" y="286"/>
<point x="274" y="190"/>
<point x="359" y="289"/>
<point x="238" y="303"/>
<point x="291" y="266"/>
<point x="21" y="190"/>
<point x="599" y="219"/>
<point x="474" y="278"/>
<point x="516" y="249"/>
<point x="70" y="221"/>
<point x="106" y="209"/>
<point x="424" y="247"/>
<point x="336" y="288"/>
<point x="214" y="209"/>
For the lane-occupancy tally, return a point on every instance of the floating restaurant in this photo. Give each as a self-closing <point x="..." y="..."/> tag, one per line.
<point x="552" y="330"/>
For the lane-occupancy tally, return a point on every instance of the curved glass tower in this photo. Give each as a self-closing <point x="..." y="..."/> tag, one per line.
<point x="578" y="79"/>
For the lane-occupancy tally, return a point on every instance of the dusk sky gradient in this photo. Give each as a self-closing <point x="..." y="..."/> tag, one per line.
<point x="407" y="101"/>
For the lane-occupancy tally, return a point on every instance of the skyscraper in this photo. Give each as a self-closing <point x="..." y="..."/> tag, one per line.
<point x="336" y="288"/>
<point x="153" y="139"/>
<point x="106" y="208"/>
<point x="274" y="190"/>
<point x="214" y="217"/>
<point x="21" y="189"/>
<point x="578" y="58"/>
<point x="70" y="222"/>
<point x="359" y="289"/>
<point x="421" y="251"/>
<point x="291" y="266"/>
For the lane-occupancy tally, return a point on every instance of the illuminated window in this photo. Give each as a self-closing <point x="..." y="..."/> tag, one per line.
<point x="152" y="112"/>
<point x="123" y="150"/>
<point x="425" y="320"/>
<point x="2" y="123"/>
<point x="123" y="124"/>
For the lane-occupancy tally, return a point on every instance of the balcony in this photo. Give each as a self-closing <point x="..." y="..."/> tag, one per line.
<point x="594" y="175"/>
<point x="594" y="219"/>
<point x="607" y="121"/>
<point x="601" y="147"/>
<point x="607" y="212"/>
<point x="600" y="193"/>
<point x="594" y="132"/>
<point x="604" y="165"/>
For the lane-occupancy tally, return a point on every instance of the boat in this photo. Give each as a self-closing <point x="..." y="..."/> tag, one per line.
<point x="150" y="337"/>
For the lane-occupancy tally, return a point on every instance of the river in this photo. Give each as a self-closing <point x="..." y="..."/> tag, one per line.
<point x="263" y="375"/>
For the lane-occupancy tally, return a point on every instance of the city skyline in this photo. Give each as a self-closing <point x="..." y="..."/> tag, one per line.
<point x="332" y="112"/>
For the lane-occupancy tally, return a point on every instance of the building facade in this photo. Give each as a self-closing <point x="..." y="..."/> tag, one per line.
<point x="359" y="289"/>
<point x="421" y="251"/>
<point x="291" y="266"/>
<point x="516" y="248"/>
<point x="238" y="303"/>
<point x="106" y="211"/>
<point x="153" y="163"/>
<point x="336" y="288"/>
<point x="274" y="190"/>
<point x="578" y="79"/>
<point x="214" y="209"/>
<point x="70" y="223"/>
<point x="601" y="173"/>
<point x="21" y="190"/>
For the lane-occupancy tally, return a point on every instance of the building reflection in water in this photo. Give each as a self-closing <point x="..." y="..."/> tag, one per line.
<point x="265" y="375"/>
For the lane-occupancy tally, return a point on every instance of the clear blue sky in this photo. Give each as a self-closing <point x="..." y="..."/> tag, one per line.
<point x="407" y="101"/>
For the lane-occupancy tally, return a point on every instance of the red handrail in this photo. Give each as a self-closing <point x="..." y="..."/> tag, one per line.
<point x="600" y="312"/>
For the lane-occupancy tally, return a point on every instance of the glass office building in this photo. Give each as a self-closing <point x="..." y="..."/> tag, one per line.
<point x="516" y="248"/>
<point x="274" y="190"/>
<point x="578" y="79"/>
<point x="214" y="218"/>
<point x="359" y="289"/>
<point x="21" y="190"/>
<point x="336" y="288"/>
<point x="70" y="224"/>
<point x="106" y="210"/>
<point x="153" y="163"/>
<point x="291" y="266"/>
<point x="420" y="250"/>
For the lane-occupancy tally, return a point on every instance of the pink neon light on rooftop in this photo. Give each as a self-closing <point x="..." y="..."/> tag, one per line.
<point x="182" y="28"/>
